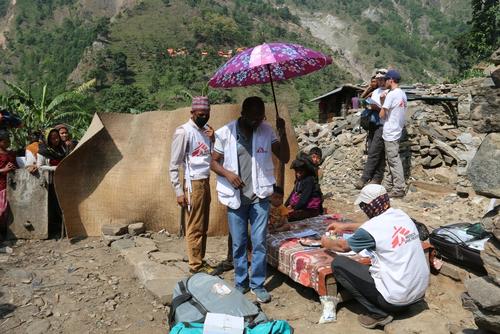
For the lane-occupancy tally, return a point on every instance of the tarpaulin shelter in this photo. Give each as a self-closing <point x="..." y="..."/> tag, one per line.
<point x="119" y="171"/>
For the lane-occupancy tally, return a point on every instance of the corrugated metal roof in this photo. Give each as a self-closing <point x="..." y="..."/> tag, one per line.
<point x="336" y="90"/>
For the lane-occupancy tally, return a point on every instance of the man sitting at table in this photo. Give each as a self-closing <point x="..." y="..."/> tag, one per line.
<point x="398" y="275"/>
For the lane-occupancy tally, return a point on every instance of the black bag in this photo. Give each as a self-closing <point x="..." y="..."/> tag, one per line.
<point x="450" y="245"/>
<point x="423" y="231"/>
<point x="364" y="119"/>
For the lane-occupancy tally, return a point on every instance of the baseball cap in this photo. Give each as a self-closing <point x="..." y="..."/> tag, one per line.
<point x="379" y="75"/>
<point x="369" y="193"/>
<point x="200" y="103"/>
<point x="393" y="74"/>
<point x="381" y="71"/>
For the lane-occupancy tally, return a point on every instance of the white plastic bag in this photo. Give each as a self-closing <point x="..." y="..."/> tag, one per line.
<point x="329" y="309"/>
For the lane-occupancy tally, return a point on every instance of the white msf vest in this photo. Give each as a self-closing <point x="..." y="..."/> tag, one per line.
<point x="262" y="163"/>
<point x="399" y="268"/>
<point x="197" y="161"/>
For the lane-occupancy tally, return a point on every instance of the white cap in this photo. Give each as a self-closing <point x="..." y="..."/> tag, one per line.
<point x="369" y="193"/>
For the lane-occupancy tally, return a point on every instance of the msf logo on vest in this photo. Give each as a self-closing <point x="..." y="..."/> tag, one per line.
<point x="200" y="150"/>
<point x="261" y="150"/>
<point x="401" y="236"/>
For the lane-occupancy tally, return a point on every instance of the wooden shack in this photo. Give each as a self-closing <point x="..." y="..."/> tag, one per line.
<point x="337" y="102"/>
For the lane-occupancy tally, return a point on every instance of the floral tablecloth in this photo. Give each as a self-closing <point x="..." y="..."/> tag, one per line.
<point x="308" y="266"/>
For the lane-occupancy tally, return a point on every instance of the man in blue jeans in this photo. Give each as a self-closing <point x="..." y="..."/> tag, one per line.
<point x="243" y="163"/>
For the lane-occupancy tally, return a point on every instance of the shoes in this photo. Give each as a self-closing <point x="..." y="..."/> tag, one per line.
<point x="205" y="268"/>
<point x="396" y="194"/>
<point x="373" y="320"/>
<point x="242" y="289"/>
<point x="262" y="295"/>
<point x="223" y="267"/>
<point x="359" y="184"/>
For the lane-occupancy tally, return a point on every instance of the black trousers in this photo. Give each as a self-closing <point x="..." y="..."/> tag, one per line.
<point x="356" y="279"/>
<point x="375" y="163"/>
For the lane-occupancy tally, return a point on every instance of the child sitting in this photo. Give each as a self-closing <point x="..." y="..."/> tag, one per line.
<point x="305" y="201"/>
<point x="278" y="213"/>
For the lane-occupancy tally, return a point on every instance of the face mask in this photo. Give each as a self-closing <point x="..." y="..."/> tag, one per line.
<point x="200" y="121"/>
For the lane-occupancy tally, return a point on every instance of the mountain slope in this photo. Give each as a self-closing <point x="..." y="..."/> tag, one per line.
<point x="412" y="35"/>
<point x="125" y="45"/>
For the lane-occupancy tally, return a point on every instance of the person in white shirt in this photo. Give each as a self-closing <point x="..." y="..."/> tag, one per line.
<point x="242" y="160"/>
<point x="191" y="149"/>
<point x="375" y="162"/>
<point x="393" y="115"/>
<point x="399" y="273"/>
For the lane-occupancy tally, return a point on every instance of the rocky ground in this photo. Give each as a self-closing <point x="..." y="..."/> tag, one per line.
<point x="85" y="286"/>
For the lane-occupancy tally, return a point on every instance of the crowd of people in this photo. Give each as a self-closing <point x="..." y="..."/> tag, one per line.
<point x="43" y="153"/>
<point x="240" y="154"/>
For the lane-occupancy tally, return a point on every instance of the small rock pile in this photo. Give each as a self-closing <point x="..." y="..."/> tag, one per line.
<point x="440" y="141"/>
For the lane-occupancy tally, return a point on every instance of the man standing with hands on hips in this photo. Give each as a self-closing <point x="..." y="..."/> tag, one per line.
<point x="191" y="148"/>
<point x="392" y="114"/>
<point x="242" y="160"/>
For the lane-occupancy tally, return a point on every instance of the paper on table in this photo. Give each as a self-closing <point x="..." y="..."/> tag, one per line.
<point x="218" y="323"/>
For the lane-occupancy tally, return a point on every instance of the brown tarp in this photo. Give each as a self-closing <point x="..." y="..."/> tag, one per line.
<point x="119" y="171"/>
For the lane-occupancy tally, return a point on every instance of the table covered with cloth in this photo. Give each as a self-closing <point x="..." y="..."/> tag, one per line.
<point x="308" y="266"/>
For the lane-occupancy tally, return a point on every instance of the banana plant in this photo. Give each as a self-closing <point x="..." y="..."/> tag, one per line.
<point x="42" y="114"/>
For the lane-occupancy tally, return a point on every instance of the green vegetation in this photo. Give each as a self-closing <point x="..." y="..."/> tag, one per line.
<point x="484" y="35"/>
<point x="43" y="113"/>
<point x="134" y="70"/>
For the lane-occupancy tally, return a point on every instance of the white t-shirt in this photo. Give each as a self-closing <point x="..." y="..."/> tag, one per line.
<point x="399" y="267"/>
<point x="395" y="104"/>
<point x="376" y="95"/>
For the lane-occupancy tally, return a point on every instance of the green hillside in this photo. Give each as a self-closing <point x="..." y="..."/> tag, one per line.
<point x="50" y="41"/>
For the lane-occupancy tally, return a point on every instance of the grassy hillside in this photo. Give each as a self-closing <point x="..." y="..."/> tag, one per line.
<point x="412" y="35"/>
<point x="135" y="72"/>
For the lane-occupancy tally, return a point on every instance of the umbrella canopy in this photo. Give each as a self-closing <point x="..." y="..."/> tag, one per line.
<point x="266" y="63"/>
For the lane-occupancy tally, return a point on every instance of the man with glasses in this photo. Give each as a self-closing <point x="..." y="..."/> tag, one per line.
<point x="375" y="163"/>
<point x="242" y="159"/>
<point x="393" y="116"/>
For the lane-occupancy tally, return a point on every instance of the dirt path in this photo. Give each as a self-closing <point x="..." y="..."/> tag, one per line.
<point x="86" y="287"/>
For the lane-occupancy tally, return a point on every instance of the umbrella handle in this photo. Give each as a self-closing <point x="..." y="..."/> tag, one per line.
<point x="272" y="88"/>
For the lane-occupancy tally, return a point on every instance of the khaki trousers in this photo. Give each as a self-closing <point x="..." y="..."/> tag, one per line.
<point x="197" y="222"/>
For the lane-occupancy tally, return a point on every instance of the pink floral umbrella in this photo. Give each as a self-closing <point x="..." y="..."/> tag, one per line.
<point x="267" y="63"/>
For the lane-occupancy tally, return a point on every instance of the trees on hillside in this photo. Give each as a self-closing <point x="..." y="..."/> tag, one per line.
<point x="483" y="37"/>
<point x="42" y="113"/>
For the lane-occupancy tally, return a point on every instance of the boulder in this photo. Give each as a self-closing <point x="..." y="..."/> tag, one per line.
<point x="484" y="170"/>
<point x="485" y="293"/>
<point x="491" y="259"/>
<point x="484" y="110"/>
<point x="495" y="57"/>
<point x="484" y="319"/>
<point x="123" y="244"/>
<point x="114" y="229"/>
<point x="495" y="76"/>
<point x="136" y="228"/>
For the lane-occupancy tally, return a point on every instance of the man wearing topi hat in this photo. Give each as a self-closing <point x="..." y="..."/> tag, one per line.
<point x="191" y="148"/>
<point x="398" y="275"/>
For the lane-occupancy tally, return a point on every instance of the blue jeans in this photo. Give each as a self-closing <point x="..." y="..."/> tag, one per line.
<point x="257" y="215"/>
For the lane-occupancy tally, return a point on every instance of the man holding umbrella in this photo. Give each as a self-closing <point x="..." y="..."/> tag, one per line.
<point x="242" y="160"/>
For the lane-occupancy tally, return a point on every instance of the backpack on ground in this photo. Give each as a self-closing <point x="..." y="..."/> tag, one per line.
<point x="271" y="327"/>
<point x="461" y="243"/>
<point x="201" y="293"/>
